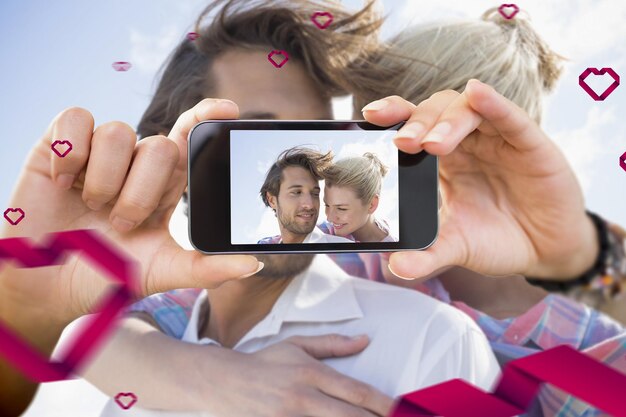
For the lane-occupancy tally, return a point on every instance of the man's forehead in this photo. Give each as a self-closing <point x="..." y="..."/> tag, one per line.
<point x="300" y="175"/>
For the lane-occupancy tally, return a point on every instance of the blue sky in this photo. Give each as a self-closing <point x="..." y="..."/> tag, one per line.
<point x="59" y="54"/>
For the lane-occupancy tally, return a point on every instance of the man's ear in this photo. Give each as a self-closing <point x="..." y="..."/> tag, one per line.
<point x="373" y="204"/>
<point x="271" y="199"/>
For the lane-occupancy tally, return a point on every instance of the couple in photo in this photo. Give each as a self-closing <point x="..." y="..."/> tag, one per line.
<point x="351" y="197"/>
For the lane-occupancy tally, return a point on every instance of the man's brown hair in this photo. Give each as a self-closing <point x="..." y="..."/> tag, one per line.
<point x="313" y="161"/>
<point x="255" y="24"/>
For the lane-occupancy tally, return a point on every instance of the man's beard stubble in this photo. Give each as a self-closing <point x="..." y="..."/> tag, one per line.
<point x="293" y="226"/>
<point x="284" y="266"/>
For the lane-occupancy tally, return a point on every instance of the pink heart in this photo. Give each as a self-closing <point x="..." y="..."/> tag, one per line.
<point x="324" y="23"/>
<point x="622" y="163"/>
<point x="14" y="220"/>
<point x="105" y="257"/>
<point x="192" y="36"/>
<point x="595" y="71"/>
<point x="62" y="144"/>
<point x="121" y="66"/>
<point x="125" y="400"/>
<point x="506" y="13"/>
<point x="284" y="54"/>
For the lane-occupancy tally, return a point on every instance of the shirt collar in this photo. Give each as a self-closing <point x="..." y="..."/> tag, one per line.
<point x="322" y="294"/>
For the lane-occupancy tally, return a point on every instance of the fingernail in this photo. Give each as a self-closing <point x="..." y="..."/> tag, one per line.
<point x="398" y="275"/>
<point x="261" y="265"/>
<point x="65" y="181"/>
<point x="95" y="206"/>
<point x="122" y="224"/>
<point x="437" y="133"/>
<point x="375" y="106"/>
<point x="359" y="337"/>
<point x="411" y="131"/>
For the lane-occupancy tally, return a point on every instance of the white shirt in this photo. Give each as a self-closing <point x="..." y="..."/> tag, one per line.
<point x="415" y="340"/>
<point x="317" y="236"/>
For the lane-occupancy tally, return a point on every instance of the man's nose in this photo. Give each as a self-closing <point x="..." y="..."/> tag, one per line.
<point x="307" y="202"/>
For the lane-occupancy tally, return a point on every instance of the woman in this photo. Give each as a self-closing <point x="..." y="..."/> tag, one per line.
<point x="352" y="189"/>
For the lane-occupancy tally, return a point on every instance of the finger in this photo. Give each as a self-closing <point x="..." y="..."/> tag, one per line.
<point x="453" y="125"/>
<point x="144" y="186"/>
<point x="73" y="125"/>
<point x="175" y="268"/>
<point x="317" y="404"/>
<point x="425" y="115"/>
<point x="411" y="265"/>
<point x="207" y="109"/>
<point x="112" y="148"/>
<point x="353" y="392"/>
<point x="331" y="345"/>
<point x="388" y="111"/>
<point x="508" y="119"/>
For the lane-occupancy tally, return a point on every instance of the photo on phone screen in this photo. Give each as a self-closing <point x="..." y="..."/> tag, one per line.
<point x="286" y="186"/>
<point x="312" y="186"/>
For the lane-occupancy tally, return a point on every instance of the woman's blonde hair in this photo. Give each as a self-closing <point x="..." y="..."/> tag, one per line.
<point x="509" y="55"/>
<point x="364" y="174"/>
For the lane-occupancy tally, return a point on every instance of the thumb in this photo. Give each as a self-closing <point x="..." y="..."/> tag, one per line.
<point x="177" y="268"/>
<point x="420" y="264"/>
<point x="330" y="345"/>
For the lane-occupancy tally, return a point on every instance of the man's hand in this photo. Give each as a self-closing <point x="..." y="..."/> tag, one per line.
<point x="125" y="189"/>
<point x="511" y="203"/>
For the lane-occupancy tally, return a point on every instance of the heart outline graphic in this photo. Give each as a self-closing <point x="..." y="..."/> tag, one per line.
<point x="192" y="36"/>
<point x="622" y="161"/>
<point x="62" y="142"/>
<point x="315" y="15"/>
<point x="121" y="66"/>
<point x="14" y="210"/>
<point x="511" y="15"/>
<point x="121" y="395"/>
<point x="270" y="57"/>
<point x="595" y="71"/>
<point x="106" y="258"/>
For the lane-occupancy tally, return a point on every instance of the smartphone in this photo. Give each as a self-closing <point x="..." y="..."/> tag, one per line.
<point x="269" y="186"/>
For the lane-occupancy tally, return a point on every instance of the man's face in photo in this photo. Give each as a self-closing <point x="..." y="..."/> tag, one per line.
<point x="298" y="202"/>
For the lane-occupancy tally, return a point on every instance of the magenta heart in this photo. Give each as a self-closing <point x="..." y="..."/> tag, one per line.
<point x="13" y="219"/>
<point x="125" y="400"/>
<point x="192" y="36"/>
<point x="508" y="11"/>
<point x="622" y="163"/>
<point x="283" y="54"/>
<point x="595" y="71"/>
<point x="102" y="255"/>
<point x="121" y="66"/>
<point x="322" y="23"/>
<point x="60" y="144"/>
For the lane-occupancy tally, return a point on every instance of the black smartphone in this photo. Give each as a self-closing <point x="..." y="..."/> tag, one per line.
<point x="268" y="186"/>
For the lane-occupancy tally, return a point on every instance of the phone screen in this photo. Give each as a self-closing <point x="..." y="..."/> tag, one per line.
<point x="338" y="186"/>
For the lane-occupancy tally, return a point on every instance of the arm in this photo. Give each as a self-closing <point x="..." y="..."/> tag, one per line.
<point x="168" y="374"/>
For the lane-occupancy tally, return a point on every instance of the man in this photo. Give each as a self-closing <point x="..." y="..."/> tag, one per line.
<point x="292" y="190"/>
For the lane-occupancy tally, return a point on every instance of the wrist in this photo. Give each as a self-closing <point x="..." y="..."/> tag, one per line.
<point x="578" y="261"/>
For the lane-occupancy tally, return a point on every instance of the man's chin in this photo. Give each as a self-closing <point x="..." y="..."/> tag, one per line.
<point x="284" y="265"/>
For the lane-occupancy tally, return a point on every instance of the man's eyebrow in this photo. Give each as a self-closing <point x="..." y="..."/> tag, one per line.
<point x="259" y="115"/>
<point x="300" y="186"/>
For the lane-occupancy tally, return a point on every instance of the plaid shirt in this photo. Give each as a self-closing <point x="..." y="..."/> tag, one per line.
<point x="554" y="321"/>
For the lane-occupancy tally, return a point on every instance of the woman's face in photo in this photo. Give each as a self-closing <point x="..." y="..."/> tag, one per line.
<point x="345" y="210"/>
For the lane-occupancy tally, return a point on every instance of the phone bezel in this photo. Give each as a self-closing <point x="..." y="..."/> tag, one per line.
<point x="417" y="232"/>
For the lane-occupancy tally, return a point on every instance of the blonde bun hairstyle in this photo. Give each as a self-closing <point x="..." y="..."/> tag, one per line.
<point x="363" y="174"/>
<point x="507" y="54"/>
